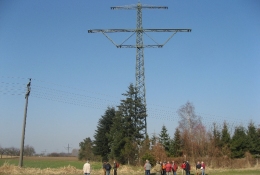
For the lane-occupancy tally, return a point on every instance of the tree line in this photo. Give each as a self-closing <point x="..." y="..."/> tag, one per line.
<point x="12" y="151"/>
<point x="119" y="136"/>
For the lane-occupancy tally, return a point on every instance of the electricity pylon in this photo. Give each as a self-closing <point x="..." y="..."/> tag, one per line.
<point x="139" y="31"/>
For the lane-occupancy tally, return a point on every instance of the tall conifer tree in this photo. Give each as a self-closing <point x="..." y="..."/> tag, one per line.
<point x="164" y="138"/>
<point x="125" y="135"/>
<point x="101" y="141"/>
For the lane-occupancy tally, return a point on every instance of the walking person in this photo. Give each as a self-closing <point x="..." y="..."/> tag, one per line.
<point x="158" y="168"/>
<point x="198" y="168"/>
<point x="86" y="168"/>
<point x="203" y="166"/>
<point x="168" y="168"/>
<point x="174" y="168"/>
<point x="147" y="167"/>
<point x="108" y="168"/>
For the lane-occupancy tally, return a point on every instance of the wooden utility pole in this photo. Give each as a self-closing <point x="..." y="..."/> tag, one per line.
<point x="24" y="123"/>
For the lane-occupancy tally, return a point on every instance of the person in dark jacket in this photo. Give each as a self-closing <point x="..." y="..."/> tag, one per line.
<point x="187" y="168"/>
<point x="198" y="166"/>
<point x="108" y="168"/>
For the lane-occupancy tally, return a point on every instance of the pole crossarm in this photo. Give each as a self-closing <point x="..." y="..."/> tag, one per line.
<point x="134" y="7"/>
<point x="135" y="30"/>
<point x="122" y="45"/>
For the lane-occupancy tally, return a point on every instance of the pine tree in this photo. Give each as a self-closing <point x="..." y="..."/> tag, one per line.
<point x="85" y="151"/>
<point x="133" y="113"/>
<point x="252" y="139"/>
<point x="258" y="142"/>
<point x="225" y="135"/>
<point x="126" y="133"/>
<point x="225" y="141"/>
<point x="101" y="141"/>
<point x="164" y="139"/>
<point x="238" y="143"/>
<point x="216" y="136"/>
<point x="177" y="144"/>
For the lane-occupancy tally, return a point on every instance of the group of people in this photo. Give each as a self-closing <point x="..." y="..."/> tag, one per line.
<point x="200" y="167"/>
<point x="106" y="168"/>
<point x="161" y="168"/>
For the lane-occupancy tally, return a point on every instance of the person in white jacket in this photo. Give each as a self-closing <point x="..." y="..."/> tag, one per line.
<point x="86" y="168"/>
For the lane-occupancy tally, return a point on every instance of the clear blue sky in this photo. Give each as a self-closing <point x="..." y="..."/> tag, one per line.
<point x="76" y="75"/>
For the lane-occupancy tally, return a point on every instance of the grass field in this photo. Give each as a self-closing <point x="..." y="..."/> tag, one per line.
<point x="70" y="165"/>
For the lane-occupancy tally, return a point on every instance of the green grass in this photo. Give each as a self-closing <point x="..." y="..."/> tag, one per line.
<point x="48" y="162"/>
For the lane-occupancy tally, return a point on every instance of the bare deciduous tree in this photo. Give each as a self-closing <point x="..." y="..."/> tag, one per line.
<point x="190" y="126"/>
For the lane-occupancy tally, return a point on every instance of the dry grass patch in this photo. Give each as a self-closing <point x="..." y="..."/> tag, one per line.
<point x="123" y="170"/>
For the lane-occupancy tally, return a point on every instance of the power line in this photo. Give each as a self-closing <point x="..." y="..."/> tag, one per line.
<point x="56" y="95"/>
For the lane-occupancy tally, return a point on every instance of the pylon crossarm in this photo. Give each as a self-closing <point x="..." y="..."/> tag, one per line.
<point x="151" y="38"/>
<point x="110" y="39"/>
<point x="169" y="38"/>
<point x="166" y="30"/>
<point x="135" y="30"/>
<point x="127" y="38"/>
<point x="134" y="7"/>
<point x="144" y="46"/>
<point x="110" y="30"/>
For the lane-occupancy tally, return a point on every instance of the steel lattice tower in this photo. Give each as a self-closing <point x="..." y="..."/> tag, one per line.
<point x="139" y="31"/>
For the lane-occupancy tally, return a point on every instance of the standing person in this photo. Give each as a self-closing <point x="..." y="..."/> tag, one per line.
<point x="164" y="168"/>
<point x="161" y="163"/>
<point x="104" y="167"/>
<point x="108" y="168"/>
<point x="86" y="168"/>
<point x="187" y="168"/>
<point x="158" y="168"/>
<point x="203" y="166"/>
<point x="183" y="165"/>
<point x="174" y="167"/>
<point x="147" y="167"/>
<point x="115" y="167"/>
<point x="168" y="168"/>
<point x="198" y="167"/>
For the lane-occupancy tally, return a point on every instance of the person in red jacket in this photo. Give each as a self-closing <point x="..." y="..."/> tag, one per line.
<point x="203" y="166"/>
<point x="168" y="168"/>
<point x="174" y="167"/>
<point x="183" y="166"/>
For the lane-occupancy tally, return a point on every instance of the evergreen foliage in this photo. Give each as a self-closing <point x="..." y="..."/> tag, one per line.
<point x="126" y="133"/>
<point x="216" y="136"/>
<point x="239" y="143"/>
<point x="85" y="151"/>
<point x="101" y="141"/>
<point x="253" y="141"/>
<point x="164" y="138"/>
<point x="225" y="135"/>
<point x="177" y="144"/>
